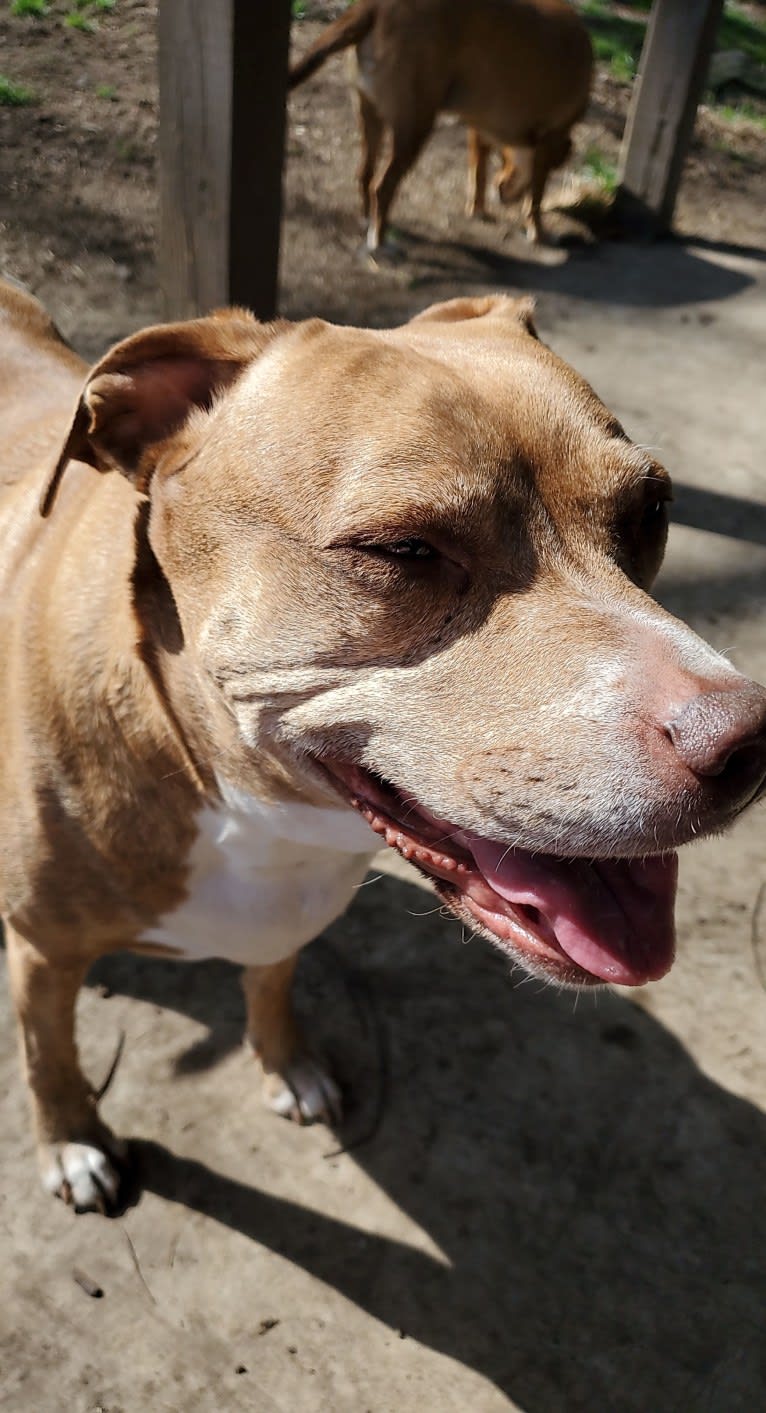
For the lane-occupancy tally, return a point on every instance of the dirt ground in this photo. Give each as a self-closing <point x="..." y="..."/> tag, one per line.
<point x="546" y="1206"/>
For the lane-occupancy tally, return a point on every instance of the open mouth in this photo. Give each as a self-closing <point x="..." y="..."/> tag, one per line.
<point x="580" y="921"/>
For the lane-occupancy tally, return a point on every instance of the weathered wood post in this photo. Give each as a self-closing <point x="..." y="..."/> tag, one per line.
<point x="223" y="85"/>
<point x="674" y="64"/>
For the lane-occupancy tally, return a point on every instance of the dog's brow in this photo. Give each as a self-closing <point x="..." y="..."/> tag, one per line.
<point x="412" y="491"/>
<point x="399" y="522"/>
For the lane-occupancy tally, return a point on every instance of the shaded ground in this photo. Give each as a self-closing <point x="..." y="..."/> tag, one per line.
<point x="562" y="1208"/>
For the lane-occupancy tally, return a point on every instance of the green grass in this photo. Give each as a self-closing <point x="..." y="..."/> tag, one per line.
<point x="299" y="8"/>
<point x="618" y="39"/>
<point x="599" y="170"/>
<point x="739" y="31"/>
<point x="82" y="12"/>
<point x="35" y="8"/>
<point x="14" y="95"/>
<point x="106" y="90"/>
<point x="623" y="65"/>
<point x="743" y="112"/>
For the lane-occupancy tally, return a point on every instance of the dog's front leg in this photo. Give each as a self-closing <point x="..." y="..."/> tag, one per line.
<point x="77" y="1153"/>
<point x="294" y="1083"/>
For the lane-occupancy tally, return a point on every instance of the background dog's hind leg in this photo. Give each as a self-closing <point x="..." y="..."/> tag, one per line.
<point x="78" y="1155"/>
<point x="406" y="144"/>
<point x="295" y="1084"/>
<point x="551" y="152"/>
<point x="371" y="132"/>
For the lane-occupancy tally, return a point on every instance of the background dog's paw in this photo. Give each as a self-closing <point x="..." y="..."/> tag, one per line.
<point x="388" y="255"/>
<point x="303" y="1092"/>
<point x="85" y="1176"/>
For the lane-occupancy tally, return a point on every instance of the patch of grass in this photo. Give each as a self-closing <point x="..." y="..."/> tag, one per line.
<point x="739" y="31"/>
<point x="81" y="14"/>
<point x="106" y="90"/>
<point x="617" y="39"/>
<point x="35" y="8"/>
<point x="743" y="112"/>
<point x="14" y="95"/>
<point x="307" y="10"/>
<point x="623" y="65"/>
<point x="599" y="170"/>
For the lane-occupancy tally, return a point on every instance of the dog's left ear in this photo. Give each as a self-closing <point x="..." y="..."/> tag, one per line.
<point x="145" y="388"/>
<point x="516" y="312"/>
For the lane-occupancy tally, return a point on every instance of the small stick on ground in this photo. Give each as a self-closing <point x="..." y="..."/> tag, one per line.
<point x="135" y="1261"/>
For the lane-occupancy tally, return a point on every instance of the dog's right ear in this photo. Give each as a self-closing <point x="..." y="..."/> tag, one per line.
<point x="145" y="388"/>
<point x="517" y="313"/>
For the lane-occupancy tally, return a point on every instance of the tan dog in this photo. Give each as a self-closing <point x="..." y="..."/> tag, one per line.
<point x="338" y="584"/>
<point x="517" y="71"/>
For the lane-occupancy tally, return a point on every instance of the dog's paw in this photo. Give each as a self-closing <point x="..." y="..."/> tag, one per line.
<point x="85" y="1176"/>
<point x="387" y="255"/>
<point x="304" y="1092"/>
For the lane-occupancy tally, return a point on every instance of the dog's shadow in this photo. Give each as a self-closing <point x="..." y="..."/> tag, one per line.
<point x="599" y="1201"/>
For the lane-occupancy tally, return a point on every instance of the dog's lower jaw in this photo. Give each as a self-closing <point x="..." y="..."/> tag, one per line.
<point x="576" y="921"/>
<point x="554" y="970"/>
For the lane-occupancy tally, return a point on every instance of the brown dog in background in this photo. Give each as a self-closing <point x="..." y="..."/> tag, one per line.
<point x="517" y="71"/>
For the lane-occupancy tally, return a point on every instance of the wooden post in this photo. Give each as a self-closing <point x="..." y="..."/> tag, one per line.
<point x="674" y="64"/>
<point x="223" y="85"/>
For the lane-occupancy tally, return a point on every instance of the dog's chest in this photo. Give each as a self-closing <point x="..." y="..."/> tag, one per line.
<point x="264" y="879"/>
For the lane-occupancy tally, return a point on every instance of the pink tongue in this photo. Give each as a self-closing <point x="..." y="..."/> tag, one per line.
<point x="614" y="918"/>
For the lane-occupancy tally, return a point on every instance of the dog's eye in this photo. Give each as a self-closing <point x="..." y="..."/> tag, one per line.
<point x="405" y="549"/>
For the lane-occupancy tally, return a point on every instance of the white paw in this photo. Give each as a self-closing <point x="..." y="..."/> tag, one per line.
<point x="304" y="1092"/>
<point x="82" y="1175"/>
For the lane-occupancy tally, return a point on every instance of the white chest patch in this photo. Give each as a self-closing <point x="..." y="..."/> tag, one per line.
<point x="265" y="879"/>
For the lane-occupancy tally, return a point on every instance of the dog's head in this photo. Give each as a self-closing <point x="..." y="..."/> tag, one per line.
<point x="411" y="567"/>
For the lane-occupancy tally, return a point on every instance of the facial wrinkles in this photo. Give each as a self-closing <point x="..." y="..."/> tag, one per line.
<point x="401" y="739"/>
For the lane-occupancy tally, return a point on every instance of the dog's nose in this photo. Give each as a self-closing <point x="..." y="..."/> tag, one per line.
<point x="724" y="731"/>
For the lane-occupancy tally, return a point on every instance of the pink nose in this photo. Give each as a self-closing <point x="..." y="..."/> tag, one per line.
<point x="724" y="729"/>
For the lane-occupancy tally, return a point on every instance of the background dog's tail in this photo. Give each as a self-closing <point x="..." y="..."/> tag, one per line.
<point x="349" y="29"/>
